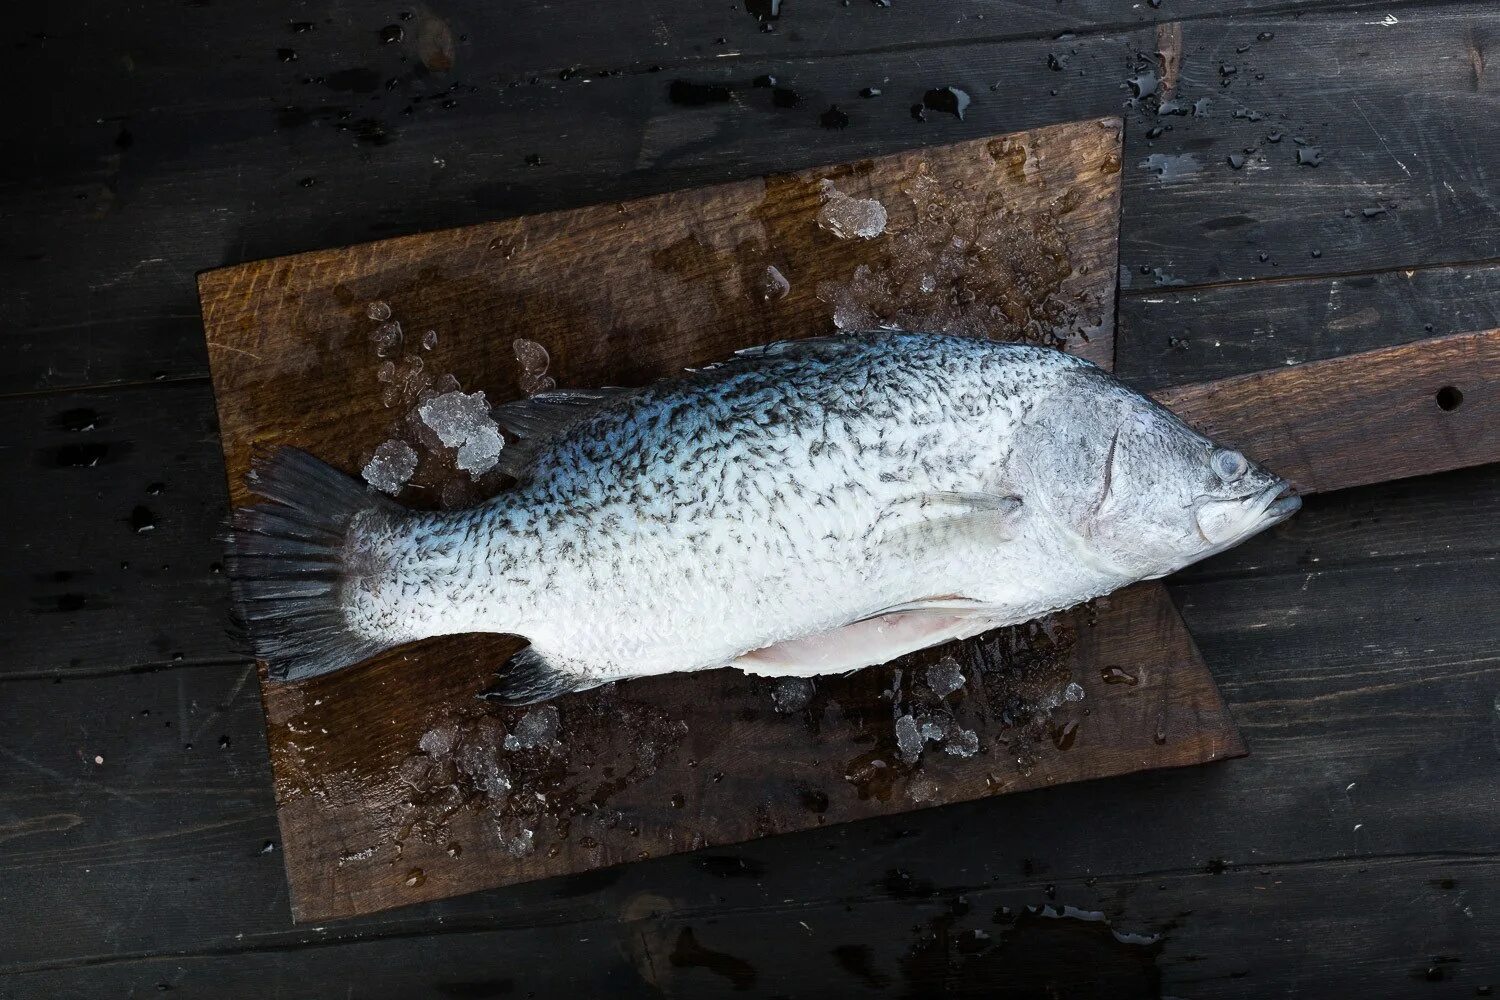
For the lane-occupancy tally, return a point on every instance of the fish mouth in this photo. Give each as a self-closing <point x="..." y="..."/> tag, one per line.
<point x="1278" y="502"/>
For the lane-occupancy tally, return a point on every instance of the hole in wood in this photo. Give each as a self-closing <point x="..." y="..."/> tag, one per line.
<point x="1449" y="397"/>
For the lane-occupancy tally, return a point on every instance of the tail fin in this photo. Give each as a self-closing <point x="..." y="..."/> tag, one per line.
<point x="287" y="569"/>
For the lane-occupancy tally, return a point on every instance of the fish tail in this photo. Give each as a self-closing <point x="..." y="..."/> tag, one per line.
<point x="288" y="566"/>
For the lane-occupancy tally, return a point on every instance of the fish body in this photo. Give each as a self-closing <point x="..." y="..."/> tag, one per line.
<point x="807" y="507"/>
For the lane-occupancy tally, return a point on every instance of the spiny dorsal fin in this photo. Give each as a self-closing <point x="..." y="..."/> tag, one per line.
<point x="544" y="418"/>
<point x="828" y="347"/>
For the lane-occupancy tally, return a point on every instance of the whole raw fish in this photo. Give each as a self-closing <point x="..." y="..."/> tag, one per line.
<point x="807" y="507"/>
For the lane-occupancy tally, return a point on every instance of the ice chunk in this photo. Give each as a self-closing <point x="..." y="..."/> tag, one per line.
<point x="481" y="764"/>
<point x="391" y="467"/>
<point x="850" y="218"/>
<point x="945" y="677"/>
<point x="535" y="385"/>
<point x="773" y="285"/>
<point x="924" y="790"/>
<point x="436" y="742"/>
<point x="909" y="738"/>
<point x="792" y="694"/>
<point x="387" y="338"/>
<point x="378" y="311"/>
<point x="462" y="421"/>
<point x="532" y="356"/>
<point x="537" y="728"/>
<point x="963" y="743"/>
<point x="481" y="451"/>
<point x="519" y="844"/>
<point x="1073" y="692"/>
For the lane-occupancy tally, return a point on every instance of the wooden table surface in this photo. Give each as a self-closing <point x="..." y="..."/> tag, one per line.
<point x="1352" y="854"/>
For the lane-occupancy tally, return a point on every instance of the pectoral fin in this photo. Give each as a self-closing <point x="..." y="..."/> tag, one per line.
<point x="932" y="519"/>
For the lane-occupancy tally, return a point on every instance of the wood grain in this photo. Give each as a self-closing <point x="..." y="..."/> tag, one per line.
<point x="1412" y="410"/>
<point x="1398" y="701"/>
<point x="1171" y="337"/>
<point x="212" y="170"/>
<point x="626" y="293"/>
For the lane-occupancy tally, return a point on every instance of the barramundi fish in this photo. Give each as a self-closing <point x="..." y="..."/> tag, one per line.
<point x="806" y="507"/>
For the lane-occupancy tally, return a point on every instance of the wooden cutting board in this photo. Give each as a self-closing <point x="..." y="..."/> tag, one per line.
<point x="394" y="785"/>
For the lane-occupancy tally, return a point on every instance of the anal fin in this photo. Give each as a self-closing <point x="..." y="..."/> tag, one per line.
<point x="528" y="677"/>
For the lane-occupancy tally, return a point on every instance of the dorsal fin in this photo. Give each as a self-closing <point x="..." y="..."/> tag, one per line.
<point x="544" y="418"/>
<point x="827" y="347"/>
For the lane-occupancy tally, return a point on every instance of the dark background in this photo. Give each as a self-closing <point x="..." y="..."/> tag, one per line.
<point x="1354" y="853"/>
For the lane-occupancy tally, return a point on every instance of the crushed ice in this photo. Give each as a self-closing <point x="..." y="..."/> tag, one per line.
<point x="387" y="338"/>
<point x="480" y="764"/>
<point x="462" y="421"/>
<point x="968" y="266"/>
<point x="792" y="694"/>
<point x="945" y="677"/>
<point x="534" y="359"/>
<point x="391" y="467"/>
<point x="850" y="218"/>
<point x="537" y="728"/>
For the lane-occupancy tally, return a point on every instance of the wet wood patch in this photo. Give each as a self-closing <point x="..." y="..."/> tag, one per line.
<point x="395" y="785"/>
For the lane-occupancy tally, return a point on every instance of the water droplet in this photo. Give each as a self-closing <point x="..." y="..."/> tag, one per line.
<point x="378" y="311"/>
<point x="834" y="117"/>
<point x="142" y="521"/>
<point x="773" y="286"/>
<point x="1144" y="85"/>
<point x="950" y="100"/>
<point x="391" y="34"/>
<point x="415" y="877"/>
<point x="1117" y="675"/>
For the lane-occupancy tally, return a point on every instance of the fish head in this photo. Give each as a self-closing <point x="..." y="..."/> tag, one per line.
<point x="1146" y="493"/>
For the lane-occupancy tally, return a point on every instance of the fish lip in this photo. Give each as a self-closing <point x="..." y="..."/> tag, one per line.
<point x="1278" y="502"/>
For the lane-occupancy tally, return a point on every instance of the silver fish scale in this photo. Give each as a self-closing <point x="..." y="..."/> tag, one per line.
<point x="734" y="508"/>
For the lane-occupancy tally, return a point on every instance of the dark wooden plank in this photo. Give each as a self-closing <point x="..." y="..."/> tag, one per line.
<point x="215" y="178"/>
<point x="1183" y="936"/>
<point x="536" y="43"/>
<point x="1174" y="336"/>
<point x="1358" y="92"/>
<point x="1338" y="672"/>
<point x="116" y="506"/>
<point x="1425" y="407"/>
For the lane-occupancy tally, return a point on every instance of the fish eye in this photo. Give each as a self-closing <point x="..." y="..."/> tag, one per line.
<point x="1229" y="465"/>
